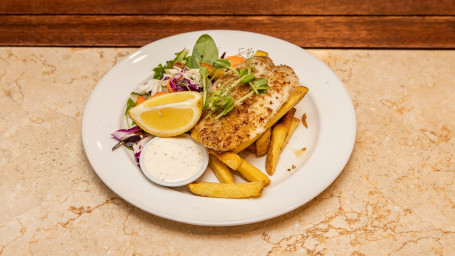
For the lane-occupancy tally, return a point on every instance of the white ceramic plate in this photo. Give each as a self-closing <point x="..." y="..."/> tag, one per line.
<point x="300" y="175"/>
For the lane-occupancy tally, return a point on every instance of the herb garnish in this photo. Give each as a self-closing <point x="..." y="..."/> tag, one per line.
<point x="204" y="72"/>
<point x="221" y="100"/>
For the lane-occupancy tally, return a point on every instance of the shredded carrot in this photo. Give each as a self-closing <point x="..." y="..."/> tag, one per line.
<point x="235" y="60"/>
<point x="169" y="87"/>
<point x="213" y="71"/>
<point x="158" y="94"/>
<point x="139" y="100"/>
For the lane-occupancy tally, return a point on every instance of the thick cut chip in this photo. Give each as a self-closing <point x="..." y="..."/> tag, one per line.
<point x="295" y="122"/>
<point x="279" y="133"/>
<point x="251" y="173"/>
<point x="263" y="143"/>
<point x="221" y="171"/>
<point x="247" y="170"/>
<point x="227" y="190"/>
<point x="230" y="159"/>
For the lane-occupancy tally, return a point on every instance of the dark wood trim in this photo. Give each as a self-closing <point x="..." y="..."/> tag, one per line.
<point x="305" y="31"/>
<point x="230" y="7"/>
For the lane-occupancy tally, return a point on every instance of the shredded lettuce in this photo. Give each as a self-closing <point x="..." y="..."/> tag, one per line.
<point x="179" y="57"/>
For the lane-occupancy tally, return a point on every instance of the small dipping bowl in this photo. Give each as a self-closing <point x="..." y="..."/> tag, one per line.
<point x="173" y="162"/>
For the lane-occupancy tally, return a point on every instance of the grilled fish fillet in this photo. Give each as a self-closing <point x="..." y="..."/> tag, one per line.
<point x="248" y="119"/>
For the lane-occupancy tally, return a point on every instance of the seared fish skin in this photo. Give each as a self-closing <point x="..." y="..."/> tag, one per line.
<point x="248" y="119"/>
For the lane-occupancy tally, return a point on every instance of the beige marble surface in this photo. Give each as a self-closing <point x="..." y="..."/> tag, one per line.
<point x="396" y="196"/>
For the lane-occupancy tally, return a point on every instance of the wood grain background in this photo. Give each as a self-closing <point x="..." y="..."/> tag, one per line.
<point x="308" y="23"/>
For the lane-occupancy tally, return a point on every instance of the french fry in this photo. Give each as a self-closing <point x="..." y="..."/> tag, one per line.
<point x="294" y="97"/>
<point x="294" y="123"/>
<point x="230" y="159"/>
<point x="278" y="136"/>
<point x="263" y="143"/>
<point x="247" y="170"/>
<point x="288" y="117"/>
<point x="226" y="190"/>
<point x="252" y="148"/>
<point x="221" y="171"/>
<point x="280" y="132"/>
<point x="251" y="173"/>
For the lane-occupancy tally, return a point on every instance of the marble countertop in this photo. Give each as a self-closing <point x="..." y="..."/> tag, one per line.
<point x="396" y="196"/>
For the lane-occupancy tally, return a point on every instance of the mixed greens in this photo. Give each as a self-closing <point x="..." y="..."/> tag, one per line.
<point x="180" y="57"/>
<point x="195" y="72"/>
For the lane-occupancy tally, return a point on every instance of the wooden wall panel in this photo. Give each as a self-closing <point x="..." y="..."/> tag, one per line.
<point x="230" y="7"/>
<point x="305" y="31"/>
<point x="422" y="24"/>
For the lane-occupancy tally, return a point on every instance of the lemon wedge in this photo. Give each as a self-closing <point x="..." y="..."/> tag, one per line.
<point x="169" y="114"/>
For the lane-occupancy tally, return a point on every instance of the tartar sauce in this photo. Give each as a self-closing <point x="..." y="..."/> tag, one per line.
<point x="172" y="159"/>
